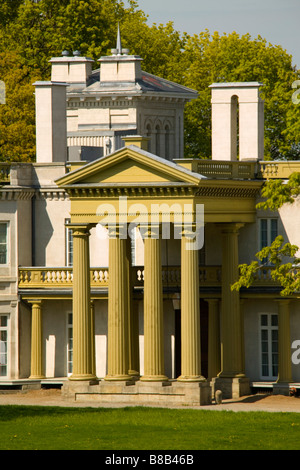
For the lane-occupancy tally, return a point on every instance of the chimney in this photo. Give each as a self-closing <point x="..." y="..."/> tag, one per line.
<point x="69" y="69"/>
<point x="120" y="67"/>
<point x="51" y="122"/>
<point x="237" y="121"/>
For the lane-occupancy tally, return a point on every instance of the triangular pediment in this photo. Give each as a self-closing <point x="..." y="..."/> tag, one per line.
<point x="129" y="165"/>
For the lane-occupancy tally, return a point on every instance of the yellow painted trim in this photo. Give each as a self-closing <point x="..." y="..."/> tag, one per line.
<point x="156" y="165"/>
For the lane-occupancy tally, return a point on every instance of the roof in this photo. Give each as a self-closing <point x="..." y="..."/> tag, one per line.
<point x="148" y="84"/>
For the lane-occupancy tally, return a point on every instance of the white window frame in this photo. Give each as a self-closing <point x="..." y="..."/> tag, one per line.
<point x="2" y="222"/>
<point x="269" y="328"/>
<point x="4" y="353"/>
<point x="69" y="357"/>
<point x="270" y="238"/>
<point x="68" y="244"/>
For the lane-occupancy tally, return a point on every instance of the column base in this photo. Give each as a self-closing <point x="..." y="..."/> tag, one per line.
<point x="118" y="378"/>
<point x="37" y="377"/>
<point x="231" y="387"/>
<point x="281" y="388"/>
<point x="154" y="378"/>
<point x="191" y="378"/>
<point x="83" y="377"/>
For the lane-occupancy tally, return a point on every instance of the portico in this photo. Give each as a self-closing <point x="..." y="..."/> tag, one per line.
<point x="133" y="187"/>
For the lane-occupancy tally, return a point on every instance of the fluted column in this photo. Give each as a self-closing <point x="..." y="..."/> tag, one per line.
<point x="214" y="348"/>
<point x="231" y="331"/>
<point x="153" y="309"/>
<point x="118" y="309"/>
<point x="190" y="313"/>
<point x="82" y="323"/>
<point x="133" y="322"/>
<point x="36" y="371"/>
<point x="284" y="343"/>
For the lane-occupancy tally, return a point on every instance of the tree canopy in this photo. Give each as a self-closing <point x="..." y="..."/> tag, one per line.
<point x="31" y="33"/>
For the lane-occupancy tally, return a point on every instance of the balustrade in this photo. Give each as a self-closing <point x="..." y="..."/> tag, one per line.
<point x="50" y="278"/>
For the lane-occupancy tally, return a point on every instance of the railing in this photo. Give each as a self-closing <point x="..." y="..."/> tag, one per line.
<point x="280" y="170"/>
<point x="59" y="278"/>
<point x="227" y="170"/>
<point x="49" y="278"/>
<point x="221" y="169"/>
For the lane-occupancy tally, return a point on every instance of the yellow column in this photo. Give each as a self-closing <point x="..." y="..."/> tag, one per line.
<point x="117" y="309"/>
<point x="214" y="349"/>
<point x="231" y="342"/>
<point x="82" y="324"/>
<point x="284" y="343"/>
<point x="36" y="341"/>
<point x="153" y="309"/>
<point x="190" y="313"/>
<point x="133" y="322"/>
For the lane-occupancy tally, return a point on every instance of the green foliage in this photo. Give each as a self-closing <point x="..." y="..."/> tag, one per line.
<point x="276" y="192"/>
<point x="285" y="274"/>
<point x="31" y="33"/>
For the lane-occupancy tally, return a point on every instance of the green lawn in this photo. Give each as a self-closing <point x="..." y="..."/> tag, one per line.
<point x="55" y="428"/>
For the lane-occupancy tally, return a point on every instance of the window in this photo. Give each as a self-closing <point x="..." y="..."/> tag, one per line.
<point x="268" y="231"/>
<point x="69" y="244"/>
<point x="133" y="235"/>
<point x="3" y="345"/>
<point x="70" y="344"/>
<point x="3" y="243"/>
<point x="269" y="345"/>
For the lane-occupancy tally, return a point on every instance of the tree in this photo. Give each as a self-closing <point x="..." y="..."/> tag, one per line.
<point x="232" y="58"/>
<point x="33" y="32"/>
<point x="286" y="273"/>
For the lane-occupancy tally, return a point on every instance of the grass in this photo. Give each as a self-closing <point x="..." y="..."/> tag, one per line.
<point x="137" y="428"/>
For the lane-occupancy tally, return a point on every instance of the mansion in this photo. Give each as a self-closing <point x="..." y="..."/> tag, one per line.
<point x="104" y="290"/>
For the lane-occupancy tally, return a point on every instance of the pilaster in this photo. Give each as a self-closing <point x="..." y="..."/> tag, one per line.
<point x="214" y="350"/>
<point x="36" y="371"/>
<point x="284" y="342"/>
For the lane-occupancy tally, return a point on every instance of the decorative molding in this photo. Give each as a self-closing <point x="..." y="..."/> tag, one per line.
<point x="221" y="191"/>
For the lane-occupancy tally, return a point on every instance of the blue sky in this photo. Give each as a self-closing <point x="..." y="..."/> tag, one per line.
<point x="275" y="20"/>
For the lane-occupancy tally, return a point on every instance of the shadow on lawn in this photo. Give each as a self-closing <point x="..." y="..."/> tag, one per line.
<point x="12" y="412"/>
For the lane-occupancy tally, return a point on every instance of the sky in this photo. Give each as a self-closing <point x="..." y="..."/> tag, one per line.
<point x="277" y="21"/>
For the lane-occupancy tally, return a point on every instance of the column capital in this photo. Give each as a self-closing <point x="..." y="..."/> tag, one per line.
<point x="117" y="231"/>
<point x="152" y="231"/>
<point x="80" y="229"/>
<point x="231" y="227"/>
<point x="37" y="302"/>
<point x="283" y="301"/>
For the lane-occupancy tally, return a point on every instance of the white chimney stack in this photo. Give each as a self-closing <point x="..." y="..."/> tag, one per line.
<point x="230" y="100"/>
<point x="51" y="122"/>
